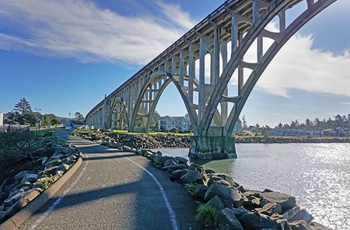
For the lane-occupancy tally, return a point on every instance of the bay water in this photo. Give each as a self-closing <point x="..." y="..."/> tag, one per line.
<point x="318" y="175"/>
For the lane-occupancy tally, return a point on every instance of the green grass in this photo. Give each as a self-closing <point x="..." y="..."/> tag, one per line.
<point x="190" y="188"/>
<point x="222" y="166"/>
<point x="208" y="217"/>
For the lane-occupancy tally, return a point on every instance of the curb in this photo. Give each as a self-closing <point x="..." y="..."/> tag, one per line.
<point x="20" y="217"/>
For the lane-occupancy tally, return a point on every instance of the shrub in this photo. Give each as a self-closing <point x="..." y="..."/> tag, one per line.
<point x="158" y="164"/>
<point x="174" y="130"/>
<point x="208" y="217"/>
<point x="16" y="145"/>
<point x="190" y="187"/>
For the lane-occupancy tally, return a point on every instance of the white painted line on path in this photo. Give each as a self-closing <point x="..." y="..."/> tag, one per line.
<point x="166" y="201"/>
<point x="53" y="206"/>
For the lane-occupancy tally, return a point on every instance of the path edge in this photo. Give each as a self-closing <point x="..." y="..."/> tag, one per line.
<point x="20" y="217"/>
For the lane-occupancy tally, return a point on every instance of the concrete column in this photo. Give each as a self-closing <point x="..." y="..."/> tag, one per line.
<point x="173" y="65"/>
<point x="204" y="43"/>
<point x="181" y="68"/>
<point x="240" y="70"/>
<point x="224" y="105"/>
<point x="255" y="11"/>
<point x="191" y="73"/>
<point x="234" y="34"/>
<point x="215" y="56"/>
<point x="104" y="114"/>
<point x="282" y="20"/>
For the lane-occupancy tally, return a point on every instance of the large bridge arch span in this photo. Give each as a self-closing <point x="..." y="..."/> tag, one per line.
<point x="213" y="111"/>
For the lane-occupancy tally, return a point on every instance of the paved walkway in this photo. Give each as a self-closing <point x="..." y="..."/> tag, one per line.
<point x="114" y="190"/>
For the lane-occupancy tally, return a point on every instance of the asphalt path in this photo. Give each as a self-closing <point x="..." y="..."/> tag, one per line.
<point x="115" y="190"/>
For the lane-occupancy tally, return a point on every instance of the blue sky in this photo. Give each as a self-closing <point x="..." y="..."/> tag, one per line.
<point x="64" y="56"/>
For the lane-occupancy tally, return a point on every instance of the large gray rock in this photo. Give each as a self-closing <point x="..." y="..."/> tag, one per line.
<point x="230" y="197"/>
<point x="174" y="167"/>
<point x="221" y="178"/>
<point x="286" y="201"/>
<point x="62" y="167"/>
<point x="191" y="177"/>
<point x="228" y="220"/>
<point x="253" y="222"/>
<point x="176" y="175"/>
<point x="200" y="191"/>
<point x="181" y="160"/>
<point x="170" y="161"/>
<point x="240" y="211"/>
<point x="215" y="203"/>
<point x="48" y="171"/>
<point x="270" y="209"/>
<point x="300" y="225"/>
<point x="318" y="226"/>
<point x="53" y="162"/>
<point x="29" y="177"/>
<point x="302" y="215"/>
<point x="20" y="175"/>
<point x="283" y="224"/>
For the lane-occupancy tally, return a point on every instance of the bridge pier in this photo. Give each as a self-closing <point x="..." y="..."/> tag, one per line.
<point x="212" y="147"/>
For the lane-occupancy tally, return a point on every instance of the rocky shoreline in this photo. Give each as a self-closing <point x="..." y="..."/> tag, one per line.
<point x="137" y="141"/>
<point x="53" y="160"/>
<point x="146" y="141"/>
<point x="290" y="140"/>
<point x="236" y="207"/>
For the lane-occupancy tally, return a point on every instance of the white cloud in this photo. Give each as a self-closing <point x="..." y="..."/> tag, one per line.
<point x="175" y="14"/>
<point x="299" y="66"/>
<point x="80" y="30"/>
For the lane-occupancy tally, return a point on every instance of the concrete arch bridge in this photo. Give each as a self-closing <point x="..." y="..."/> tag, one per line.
<point x="221" y="41"/>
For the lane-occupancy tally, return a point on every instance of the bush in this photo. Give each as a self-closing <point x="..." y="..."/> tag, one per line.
<point x="174" y="130"/>
<point x="15" y="146"/>
<point x="190" y="188"/>
<point x="208" y="217"/>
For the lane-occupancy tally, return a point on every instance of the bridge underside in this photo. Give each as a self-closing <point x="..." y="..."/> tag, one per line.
<point x="214" y="67"/>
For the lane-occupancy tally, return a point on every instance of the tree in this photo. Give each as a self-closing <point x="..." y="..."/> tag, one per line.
<point x="257" y="127"/>
<point x="317" y="122"/>
<point x="23" y="106"/>
<point x="50" y="119"/>
<point x="308" y="123"/>
<point x="244" y="123"/>
<point x="79" y="116"/>
<point x="154" y="121"/>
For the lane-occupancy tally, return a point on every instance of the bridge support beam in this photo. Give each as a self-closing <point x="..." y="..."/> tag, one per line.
<point x="212" y="147"/>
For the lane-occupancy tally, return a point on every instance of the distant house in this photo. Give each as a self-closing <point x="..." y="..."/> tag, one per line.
<point x="238" y="127"/>
<point x="297" y="132"/>
<point x="342" y="132"/>
<point x="167" y="123"/>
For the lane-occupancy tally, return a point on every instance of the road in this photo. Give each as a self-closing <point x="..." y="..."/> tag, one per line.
<point x="115" y="190"/>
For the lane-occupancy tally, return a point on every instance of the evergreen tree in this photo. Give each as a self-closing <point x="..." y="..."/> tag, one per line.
<point x="244" y="123"/>
<point x="79" y="116"/>
<point x="23" y="107"/>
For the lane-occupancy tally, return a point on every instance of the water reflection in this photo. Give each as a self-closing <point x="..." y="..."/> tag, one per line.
<point x="318" y="175"/>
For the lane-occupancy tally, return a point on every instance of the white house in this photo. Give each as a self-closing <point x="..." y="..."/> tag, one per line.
<point x="168" y="123"/>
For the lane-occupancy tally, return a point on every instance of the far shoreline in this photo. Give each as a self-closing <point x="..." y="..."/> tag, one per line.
<point x="290" y="140"/>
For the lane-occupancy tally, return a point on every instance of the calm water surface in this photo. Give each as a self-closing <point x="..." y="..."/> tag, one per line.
<point x="318" y="175"/>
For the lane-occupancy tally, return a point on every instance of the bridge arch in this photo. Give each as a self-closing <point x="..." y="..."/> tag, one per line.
<point x="256" y="33"/>
<point x="144" y="112"/>
<point x="118" y="118"/>
<point x="241" y="23"/>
